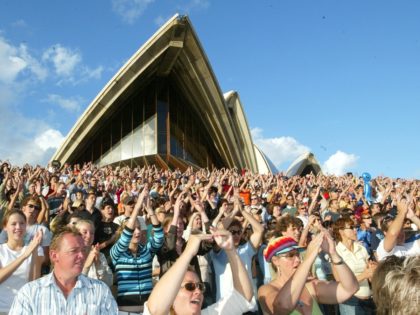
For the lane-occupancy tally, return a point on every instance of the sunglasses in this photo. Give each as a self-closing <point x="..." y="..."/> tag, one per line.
<point x="291" y="254"/>
<point x="351" y="227"/>
<point x="191" y="286"/>
<point x="33" y="206"/>
<point x="233" y="232"/>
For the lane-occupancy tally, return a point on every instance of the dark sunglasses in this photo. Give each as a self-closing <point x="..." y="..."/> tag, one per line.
<point x="233" y="232"/>
<point x="191" y="286"/>
<point x="33" y="206"/>
<point x="351" y="227"/>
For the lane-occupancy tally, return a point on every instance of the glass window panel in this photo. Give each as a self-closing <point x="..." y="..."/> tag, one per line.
<point x="127" y="147"/>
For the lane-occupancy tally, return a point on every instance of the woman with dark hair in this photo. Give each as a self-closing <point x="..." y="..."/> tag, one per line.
<point x="184" y="293"/>
<point x="356" y="257"/>
<point x="19" y="263"/>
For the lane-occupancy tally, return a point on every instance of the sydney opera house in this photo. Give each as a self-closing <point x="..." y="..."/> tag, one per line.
<point x="165" y="107"/>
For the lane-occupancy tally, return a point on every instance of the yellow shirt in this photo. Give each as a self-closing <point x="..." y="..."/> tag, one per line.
<point x="357" y="262"/>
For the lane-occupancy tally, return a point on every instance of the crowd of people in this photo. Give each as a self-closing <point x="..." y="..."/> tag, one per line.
<point x="84" y="239"/>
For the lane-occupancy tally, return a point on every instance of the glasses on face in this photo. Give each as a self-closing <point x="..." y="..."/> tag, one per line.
<point x="351" y="227"/>
<point x="291" y="254"/>
<point x="233" y="232"/>
<point x="33" y="206"/>
<point x="191" y="286"/>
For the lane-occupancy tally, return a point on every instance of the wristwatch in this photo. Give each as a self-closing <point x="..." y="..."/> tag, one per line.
<point x="340" y="262"/>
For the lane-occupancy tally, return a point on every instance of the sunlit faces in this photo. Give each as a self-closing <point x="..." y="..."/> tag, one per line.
<point x="31" y="211"/>
<point x="293" y="231"/>
<point x="70" y="256"/>
<point x="139" y="235"/>
<point x="236" y="232"/>
<point x="197" y="222"/>
<point x="108" y="212"/>
<point x="287" y="263"/>
<point x="349" y="232"/>
<point x="87" y="231"/>
<point x="15" y="227"/>
<point x="188" y="302"/>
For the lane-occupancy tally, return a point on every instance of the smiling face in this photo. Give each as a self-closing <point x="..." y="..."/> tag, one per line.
<point x="293" y="231"/>
<point x="188" y="302"/>
<point x="69" y="256"/>
<point x="15" y="227"/>
<point x="287" y="263"/>
<point x="87" y="231"/>
<point x="139" y="235"/>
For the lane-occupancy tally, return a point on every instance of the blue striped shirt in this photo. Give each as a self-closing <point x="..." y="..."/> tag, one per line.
<point x="43" y="296"/>
<point x="134" y="274"/>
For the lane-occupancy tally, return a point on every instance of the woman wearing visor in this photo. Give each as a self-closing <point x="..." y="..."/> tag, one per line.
<point x="293" y="291"/>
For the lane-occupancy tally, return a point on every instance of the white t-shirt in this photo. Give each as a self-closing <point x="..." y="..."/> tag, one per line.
<point x="408" y="249"/>
<point x="222" y="270"/>
<point x="10" y="286"/>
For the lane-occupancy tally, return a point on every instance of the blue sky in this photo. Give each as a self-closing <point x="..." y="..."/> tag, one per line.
<point x="338" y="78"/>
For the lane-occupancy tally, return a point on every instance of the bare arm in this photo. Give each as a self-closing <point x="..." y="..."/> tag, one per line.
<point x="394" y="229"/>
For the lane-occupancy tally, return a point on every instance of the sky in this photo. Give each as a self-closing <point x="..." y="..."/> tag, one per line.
<point x="338" y="78"/>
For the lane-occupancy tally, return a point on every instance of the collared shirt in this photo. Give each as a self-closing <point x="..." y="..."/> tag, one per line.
<point x="43" y="296"/>
<point x="357" y="261"/>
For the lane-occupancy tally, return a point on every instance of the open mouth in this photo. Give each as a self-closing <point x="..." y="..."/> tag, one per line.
<point x="196" y="302"/>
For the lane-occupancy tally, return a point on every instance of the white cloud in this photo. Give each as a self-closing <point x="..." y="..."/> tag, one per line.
<point x="49" y="139"/>
<point x="339" y="163"/>
<point x="26" y="140"/>
<point x="130" y="10"/>
<point x="14" y="60"/>
<point x="88" y="73"/>
<point x="279" y="149"/>
<point x="64" y="59"/>
<point x="69" y="104"/>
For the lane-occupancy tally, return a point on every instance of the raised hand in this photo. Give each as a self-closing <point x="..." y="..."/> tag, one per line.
<point x="223" y="238"/>
<point x="33" y="245"/>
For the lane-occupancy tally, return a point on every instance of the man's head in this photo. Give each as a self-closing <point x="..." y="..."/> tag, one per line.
<point x="396" y="285"/>
<point x="128" y="204"/>
<point x="235" y="229"/>
<point x="67" y="253"/>
<point x="290" y="226"/>
<point x="31" y="207"/>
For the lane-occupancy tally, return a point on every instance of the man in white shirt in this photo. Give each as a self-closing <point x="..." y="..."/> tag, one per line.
<point x="65" y="290"/>
<point x="394" y="241"/>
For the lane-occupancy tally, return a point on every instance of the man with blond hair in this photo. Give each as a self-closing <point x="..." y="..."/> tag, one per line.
<point x="65" y="290"/>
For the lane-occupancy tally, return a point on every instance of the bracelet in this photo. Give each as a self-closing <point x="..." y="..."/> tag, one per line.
<point x="340" y="262"/>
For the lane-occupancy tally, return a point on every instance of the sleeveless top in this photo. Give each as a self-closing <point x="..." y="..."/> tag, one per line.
<point x="315" y="307"/>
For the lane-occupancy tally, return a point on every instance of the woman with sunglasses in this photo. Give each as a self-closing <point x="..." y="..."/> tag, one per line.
<point x="180" y="292"/>
<point x="356" y="257"/>
<point x="293" y="292"/>
<point x="19" y="263"/>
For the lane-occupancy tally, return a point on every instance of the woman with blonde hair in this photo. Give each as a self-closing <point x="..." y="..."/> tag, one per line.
<point x="96" y="265"/>
<point x="293" y="292"/>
